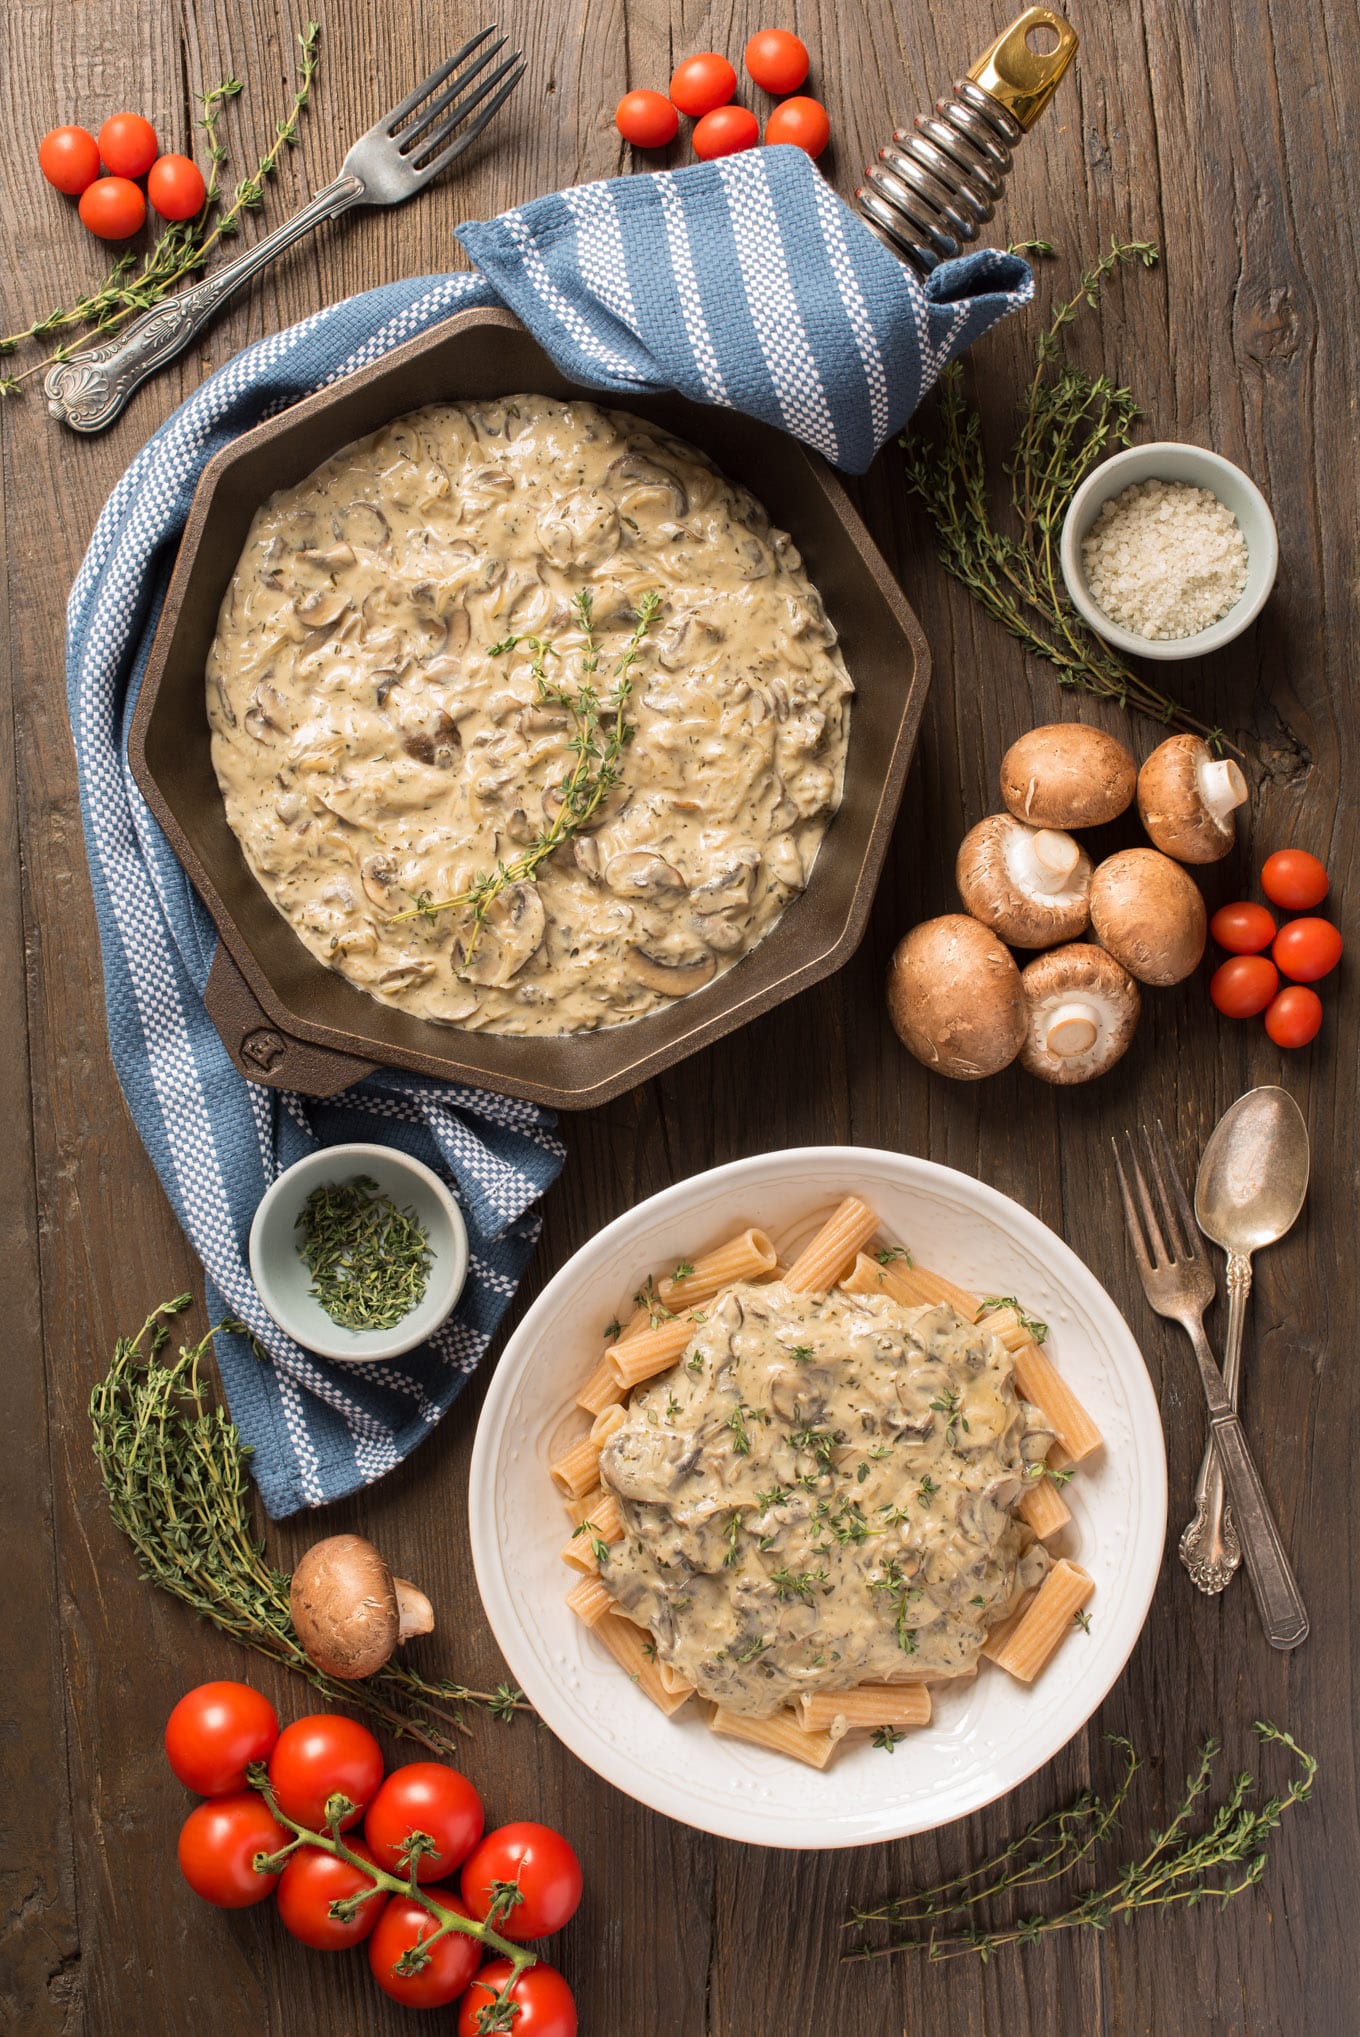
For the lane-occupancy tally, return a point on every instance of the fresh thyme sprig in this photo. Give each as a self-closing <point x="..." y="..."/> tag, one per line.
<point x="602" y="732"/>
<point x="1180" y="1865"/>
<point x="1069" y="419"/>
<point x="183" y="248"/>
<point x="369" y="1260"/>
<point x="174" y="1469"/>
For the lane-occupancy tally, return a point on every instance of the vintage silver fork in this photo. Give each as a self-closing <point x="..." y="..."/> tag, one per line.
<point x="398" y="156"/>
<point x="1179" y="1283"/>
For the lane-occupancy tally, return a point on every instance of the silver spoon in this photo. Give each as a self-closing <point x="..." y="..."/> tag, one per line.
<point x="1250" y="1188"/>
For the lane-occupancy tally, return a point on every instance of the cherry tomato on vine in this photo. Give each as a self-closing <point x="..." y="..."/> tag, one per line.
<point x="1294" y="879"/>
<point x="546" y="2005"/>
<point x="311" y="1882"/>
<point x="69" y="159"/>
<point x="1294" y="1017"/>
<point x="724" y="133"/>
<point x="776" y="60"/>
<point x="701" y="83"/>
<point x="113" y="208"/>
<point x="430" y="1797"/>
<point x="453" y="1959"/>
<point x="1307" y="948"/>
<point x="803" y="122"/>
<point x="529" y="1875"/>
<point x="215" y="1732"/>
<point x="176" y="188"/>
<point x="1243" y="929"/>
<point x="128" y="145"/>
<point x="1244" y="986"/>
<point x="218" y="1843"/>
<point x="323" y="1756"/>
<point x="646" y="119"/>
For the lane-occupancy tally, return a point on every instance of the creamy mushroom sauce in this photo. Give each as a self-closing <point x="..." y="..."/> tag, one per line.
<point x="819" y="1495"/>
<point x="370" y="750"/>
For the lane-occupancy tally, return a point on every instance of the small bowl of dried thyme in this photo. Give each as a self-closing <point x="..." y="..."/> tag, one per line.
<point x="358" y="1252"/>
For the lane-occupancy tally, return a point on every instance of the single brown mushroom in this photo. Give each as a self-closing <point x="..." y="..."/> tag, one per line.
<point x="1083" y="1009"/>
<point x="1187" y="798"/>
<point x="1066" y="775"/>
<point x="1149" y="913"/>
<point x="1029" y="885"/>
<point x="954" y="998"/>
<point x="672" y="975"/>
<point x="349" y="1611"/>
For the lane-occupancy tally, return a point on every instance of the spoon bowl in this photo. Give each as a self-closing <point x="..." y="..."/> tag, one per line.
<point x="1253" y="1176"/>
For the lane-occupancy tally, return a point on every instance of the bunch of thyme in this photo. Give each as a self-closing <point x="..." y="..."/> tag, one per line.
<point x="184" y="247"/>
<point x="1222" y="1859"/>
<point x="174" y="1469"/>
<point x="601" y="734"/>
<point x="1068" y="420"/>
<point x="369" y="1260"/>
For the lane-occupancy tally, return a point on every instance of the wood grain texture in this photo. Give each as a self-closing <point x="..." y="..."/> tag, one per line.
<point x="1228" y="136"/>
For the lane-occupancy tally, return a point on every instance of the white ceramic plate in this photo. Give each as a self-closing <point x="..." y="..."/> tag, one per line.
<point x="984" y="1738"/>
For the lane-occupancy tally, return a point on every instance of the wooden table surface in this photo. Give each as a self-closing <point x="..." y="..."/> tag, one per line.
<point x="1225" y="133"/>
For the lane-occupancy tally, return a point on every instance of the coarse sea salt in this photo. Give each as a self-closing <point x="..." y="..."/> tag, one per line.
<point x="1165" y="559"/>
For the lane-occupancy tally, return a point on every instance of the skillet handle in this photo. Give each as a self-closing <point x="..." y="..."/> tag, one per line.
<point x="262" y="1053"/>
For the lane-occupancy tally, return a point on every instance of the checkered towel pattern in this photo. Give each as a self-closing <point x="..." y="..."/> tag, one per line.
<point x="745" y="283"/>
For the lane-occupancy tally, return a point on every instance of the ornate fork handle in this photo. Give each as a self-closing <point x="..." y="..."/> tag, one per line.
<point x="88" y="390"/>
<point x="1209" y="1547"/>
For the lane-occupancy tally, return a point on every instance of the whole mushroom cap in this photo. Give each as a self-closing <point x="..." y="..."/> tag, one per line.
<point x="1149" y="913"/>
<point x="1066" y="775"/>
<point x="349" y="1611"/>
<point x="1082" y="1011"/>
<point x="1029" y="885"/>
<point x="1187" y="799"/>
<point x="954" y="998"/>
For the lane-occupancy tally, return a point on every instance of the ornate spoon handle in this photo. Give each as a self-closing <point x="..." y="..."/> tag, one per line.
<point x="89" y="389"/>
<point x="1209" y="1547"/>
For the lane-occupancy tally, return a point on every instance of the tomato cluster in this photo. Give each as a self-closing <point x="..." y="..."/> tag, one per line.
<point x="703" y="88"/>
<point x="1304" y="950"/>
<point x="114" y="206"/>
<point x="270" y="1792"/>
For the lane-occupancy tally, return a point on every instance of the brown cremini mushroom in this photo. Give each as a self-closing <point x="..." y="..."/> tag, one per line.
<point x="1066" y="775"/>
<point x="349" y="1611"/>
<point x="1149" y="914"/>
<point x="1082" y="1011"/>
<point x="1029" y="885"/>
<point x="1187" y="798"/>
<point x="954" y="998"/>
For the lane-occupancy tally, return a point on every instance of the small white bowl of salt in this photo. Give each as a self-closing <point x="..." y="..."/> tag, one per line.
<point x="1169" y="551"/>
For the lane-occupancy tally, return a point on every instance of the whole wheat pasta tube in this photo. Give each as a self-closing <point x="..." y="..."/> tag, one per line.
<point x="606" y="1422"/>
<point x="1037" y="1382"/>
<point x="918" y="1287"/>
<point x="577" y="1471"/>
<point x="748" y="1256"/>
<point x="1001" y="1633"/>
<point x="590" y="1601"/>
<point x="782" y="1733"/>
<point x="832" y="1251"/>
<point x="872" y="1704"/>
<point x="1042" y="1625"/>
<point x="646" y="1348"/>
<point x="600" y="1521"/>
<point x="1043" y="1508"/>
<point x="642" y="1357"/>
<point x="601" y="1390"/>
<point x="633" y="1649"/>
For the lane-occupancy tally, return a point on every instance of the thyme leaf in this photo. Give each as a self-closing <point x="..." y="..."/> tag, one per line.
<point x="1035" y="1328"/>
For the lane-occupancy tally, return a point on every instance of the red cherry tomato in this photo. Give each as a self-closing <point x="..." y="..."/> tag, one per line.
<point x="1306" y="949"/>
<point x="321" y="1757"/>
<point x="218" y="1845"/>
<point x="128" y="145"/>
<point x="1294" y="879"/>
<point x="701" y="83"/>
<point x="529" y="1875"/>
<point x="803" y="122"/>
<point x="113" y="208"/>
<point x="215" y="1732"/>
<point x="1243" y="929"/>
<point x="1244" y="986"/>
<point x="69" y="159"/>
<point x="546" y="2005"/>
<point x="452" y="1961"/>
<point x="646" y="119"/>
<point x="429" y="1797"/>
<point x="777" y="60"/>
<point x="1294" y="1017"/>
<point x="311" y="1882"/>
<point x="176" y="187"/>
<point x="725" y="133"/>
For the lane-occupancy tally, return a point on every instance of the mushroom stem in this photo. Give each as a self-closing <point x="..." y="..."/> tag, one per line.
<point x="1222" y="787"/>
<point x="1071" y="1028"/>
<point x="1043" y="861"/>
<point x="415" y="1614"/>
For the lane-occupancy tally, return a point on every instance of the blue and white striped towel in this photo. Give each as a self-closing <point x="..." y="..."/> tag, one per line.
<point x="744" y="282"/>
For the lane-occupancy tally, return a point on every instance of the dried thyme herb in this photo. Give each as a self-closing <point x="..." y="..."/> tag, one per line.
<point x="369" y="1260"/>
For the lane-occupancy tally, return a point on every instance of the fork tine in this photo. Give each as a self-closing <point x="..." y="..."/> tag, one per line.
<point x="1190" y="1231"/>
<point x="462" y="141"/>
<point x="1152" y="1228"/>
<point x="1130" y="1213"/>
<point x="1177" y="1249"/>
<point x="462" y="107"/>
<point x="435" y="79"/>
<point x="429" y="112"/>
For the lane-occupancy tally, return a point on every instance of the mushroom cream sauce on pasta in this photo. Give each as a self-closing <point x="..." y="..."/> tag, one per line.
<point x="395" y="695"/>
<point x="809" y="1492"/>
